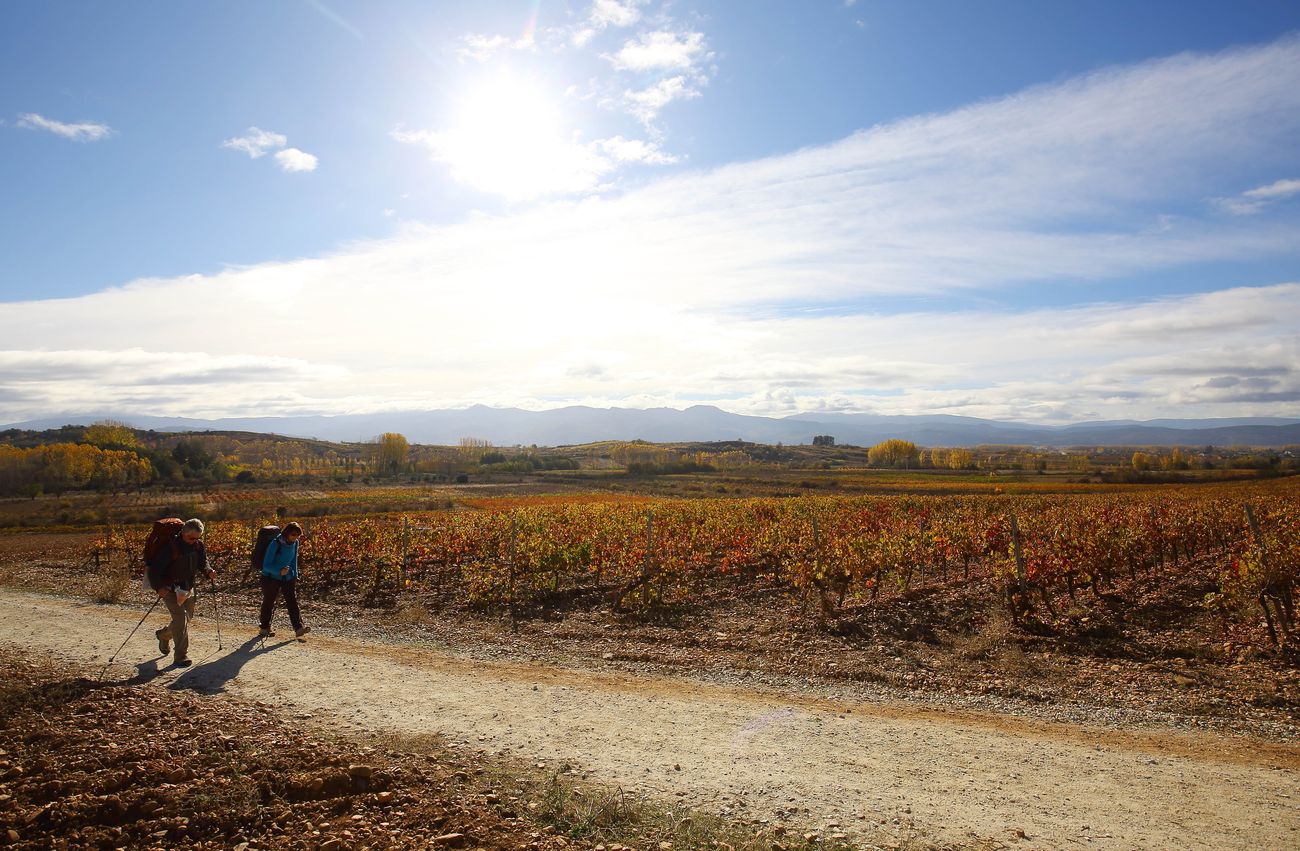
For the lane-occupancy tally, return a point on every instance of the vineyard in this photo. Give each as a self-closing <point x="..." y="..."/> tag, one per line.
<point x="832" y="555"/>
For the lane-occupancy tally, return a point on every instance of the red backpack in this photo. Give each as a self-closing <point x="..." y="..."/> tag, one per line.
<point x="164" y="532"/>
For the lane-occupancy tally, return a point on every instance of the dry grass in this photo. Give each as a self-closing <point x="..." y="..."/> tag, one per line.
<point x="565" y="804"/>
<point x="111" y="584"/>
<point x="592" y="813"/>
<point x="413" y="614"/>
<point x="991" y="635"/>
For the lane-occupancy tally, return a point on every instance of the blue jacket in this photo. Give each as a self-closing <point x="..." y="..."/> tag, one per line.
<point x="280" y="554"/>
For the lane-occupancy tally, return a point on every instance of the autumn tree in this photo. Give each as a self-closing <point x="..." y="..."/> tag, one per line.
<point x="391" y="452"/>
<point x="894" y="453"/>
<point x="110" y="434"/>
<point x="959" y="459"/>
<point x="63" y="466"/>
<point x="1140" y="461"/>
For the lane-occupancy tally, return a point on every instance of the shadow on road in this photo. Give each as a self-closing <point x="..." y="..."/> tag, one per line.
<point x="144" y="672"/>
<point x="212" y="677"/>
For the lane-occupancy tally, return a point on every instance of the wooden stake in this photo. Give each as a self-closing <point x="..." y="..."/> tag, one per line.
<point x="514" y="528"/>
<point x="1022" y="578"/>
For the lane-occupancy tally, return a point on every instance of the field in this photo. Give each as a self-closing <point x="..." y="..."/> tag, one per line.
<point x="904" y="578"/>
<point x="1163" y="606"/>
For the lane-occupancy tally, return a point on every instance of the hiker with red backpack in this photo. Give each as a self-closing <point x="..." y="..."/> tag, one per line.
<point x="174" y="567"/>
<point x="280" y="575"/>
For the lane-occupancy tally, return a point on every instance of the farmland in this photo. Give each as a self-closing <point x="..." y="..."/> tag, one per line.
<point x="1028" y="596"/>
<point x="881" y="573"/>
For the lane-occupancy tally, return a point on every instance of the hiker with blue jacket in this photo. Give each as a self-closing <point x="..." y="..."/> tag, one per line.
<point x="280" y="576"/>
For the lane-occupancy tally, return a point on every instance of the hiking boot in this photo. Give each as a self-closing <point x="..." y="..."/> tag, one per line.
<point x="163" y="646"/>
<point x="301" y="631"/>
<point x="265" y="632"/>
<point x="182" y="663"/>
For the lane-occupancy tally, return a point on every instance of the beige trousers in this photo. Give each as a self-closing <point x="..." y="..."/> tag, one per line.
<point x="179" y="628"/>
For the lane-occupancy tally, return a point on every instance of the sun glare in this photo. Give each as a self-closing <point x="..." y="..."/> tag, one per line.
<point x="508" y="137"/>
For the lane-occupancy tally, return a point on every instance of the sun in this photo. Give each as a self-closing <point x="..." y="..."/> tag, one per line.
<point x="508" y="136"/>
<point x="506" y="107"/>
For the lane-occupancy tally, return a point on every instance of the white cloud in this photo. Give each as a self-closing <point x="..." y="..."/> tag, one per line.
<point x="661" y="51"/>
<point x="80" y="131"/>
<point x="1275" y="190"/>
<point x="615" y="13"/>
<point x="481" y="48"/>
<point x="142" y="380"/>
<point x="646" y="103"/>
<point x="256" y="142"/>
<point x="603" y="15"/>
<point x="292" y="159"/>
<point x="1254" y="200"/>
<point x="623" y="150"/>
<point x="680" y="58"/>
<point x="546" y="165"/>
<point x="766" y="286"/>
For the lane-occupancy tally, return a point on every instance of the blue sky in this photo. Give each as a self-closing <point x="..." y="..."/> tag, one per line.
<point x="1022" y="210"/>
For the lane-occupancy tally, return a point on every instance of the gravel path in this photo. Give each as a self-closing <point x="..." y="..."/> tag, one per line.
<point x="876" y="772"/>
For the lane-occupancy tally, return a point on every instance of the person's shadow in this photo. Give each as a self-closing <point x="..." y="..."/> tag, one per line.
<point x="144" y="672"/>
<point x="212" y="677"/>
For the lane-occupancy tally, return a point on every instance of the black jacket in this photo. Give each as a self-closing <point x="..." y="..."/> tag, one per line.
<point x="179" y="564"/>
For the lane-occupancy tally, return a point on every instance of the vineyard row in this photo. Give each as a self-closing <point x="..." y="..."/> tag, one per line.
<point x="836" y="551"/>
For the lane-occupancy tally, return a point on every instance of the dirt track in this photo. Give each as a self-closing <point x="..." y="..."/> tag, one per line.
<point x="877" y="771"/>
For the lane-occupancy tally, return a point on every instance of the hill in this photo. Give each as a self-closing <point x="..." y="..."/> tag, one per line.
<point x="582" y="424"/>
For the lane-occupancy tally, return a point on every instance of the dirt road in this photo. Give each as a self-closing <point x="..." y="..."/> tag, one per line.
<point x="877" y="772"/>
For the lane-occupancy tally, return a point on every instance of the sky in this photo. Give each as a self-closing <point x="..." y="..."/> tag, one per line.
<point x="1040" y="212"/>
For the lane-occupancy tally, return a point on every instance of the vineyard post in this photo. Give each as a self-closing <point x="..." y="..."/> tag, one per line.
<point x="647" y="569"/>
<point x="817" y="546"/>
<point x="649" y="554"/>
<point x="818" y="579"/>
<point x="1271" y="589"/>
<point x="511" y="601"/>
<point x="107" y="545"/>
<point x="406" y="540"/>
<point x="1255" y="530"/>
<point x="1155" y="530"/>
<point x="1021" y="578"/>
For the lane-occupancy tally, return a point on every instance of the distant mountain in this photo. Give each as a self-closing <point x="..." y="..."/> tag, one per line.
<point x="581" y="424"/>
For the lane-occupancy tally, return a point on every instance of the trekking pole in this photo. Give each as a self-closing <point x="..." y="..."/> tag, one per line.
<point x="216" y="613"/>
<point x="128" y="638"/>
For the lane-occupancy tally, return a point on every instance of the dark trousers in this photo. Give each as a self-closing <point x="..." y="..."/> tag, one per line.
<point x="272" y="588"/>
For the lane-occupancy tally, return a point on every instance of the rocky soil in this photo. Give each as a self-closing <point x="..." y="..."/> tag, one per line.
<point x="89" y="764"/>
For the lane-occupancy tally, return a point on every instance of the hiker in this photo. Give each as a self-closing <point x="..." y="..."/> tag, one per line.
<point x="178" y="564"/>
<point x="280" y="576"/>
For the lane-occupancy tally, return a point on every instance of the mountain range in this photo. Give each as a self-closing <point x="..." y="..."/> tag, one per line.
<point x="581" y="424"/>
